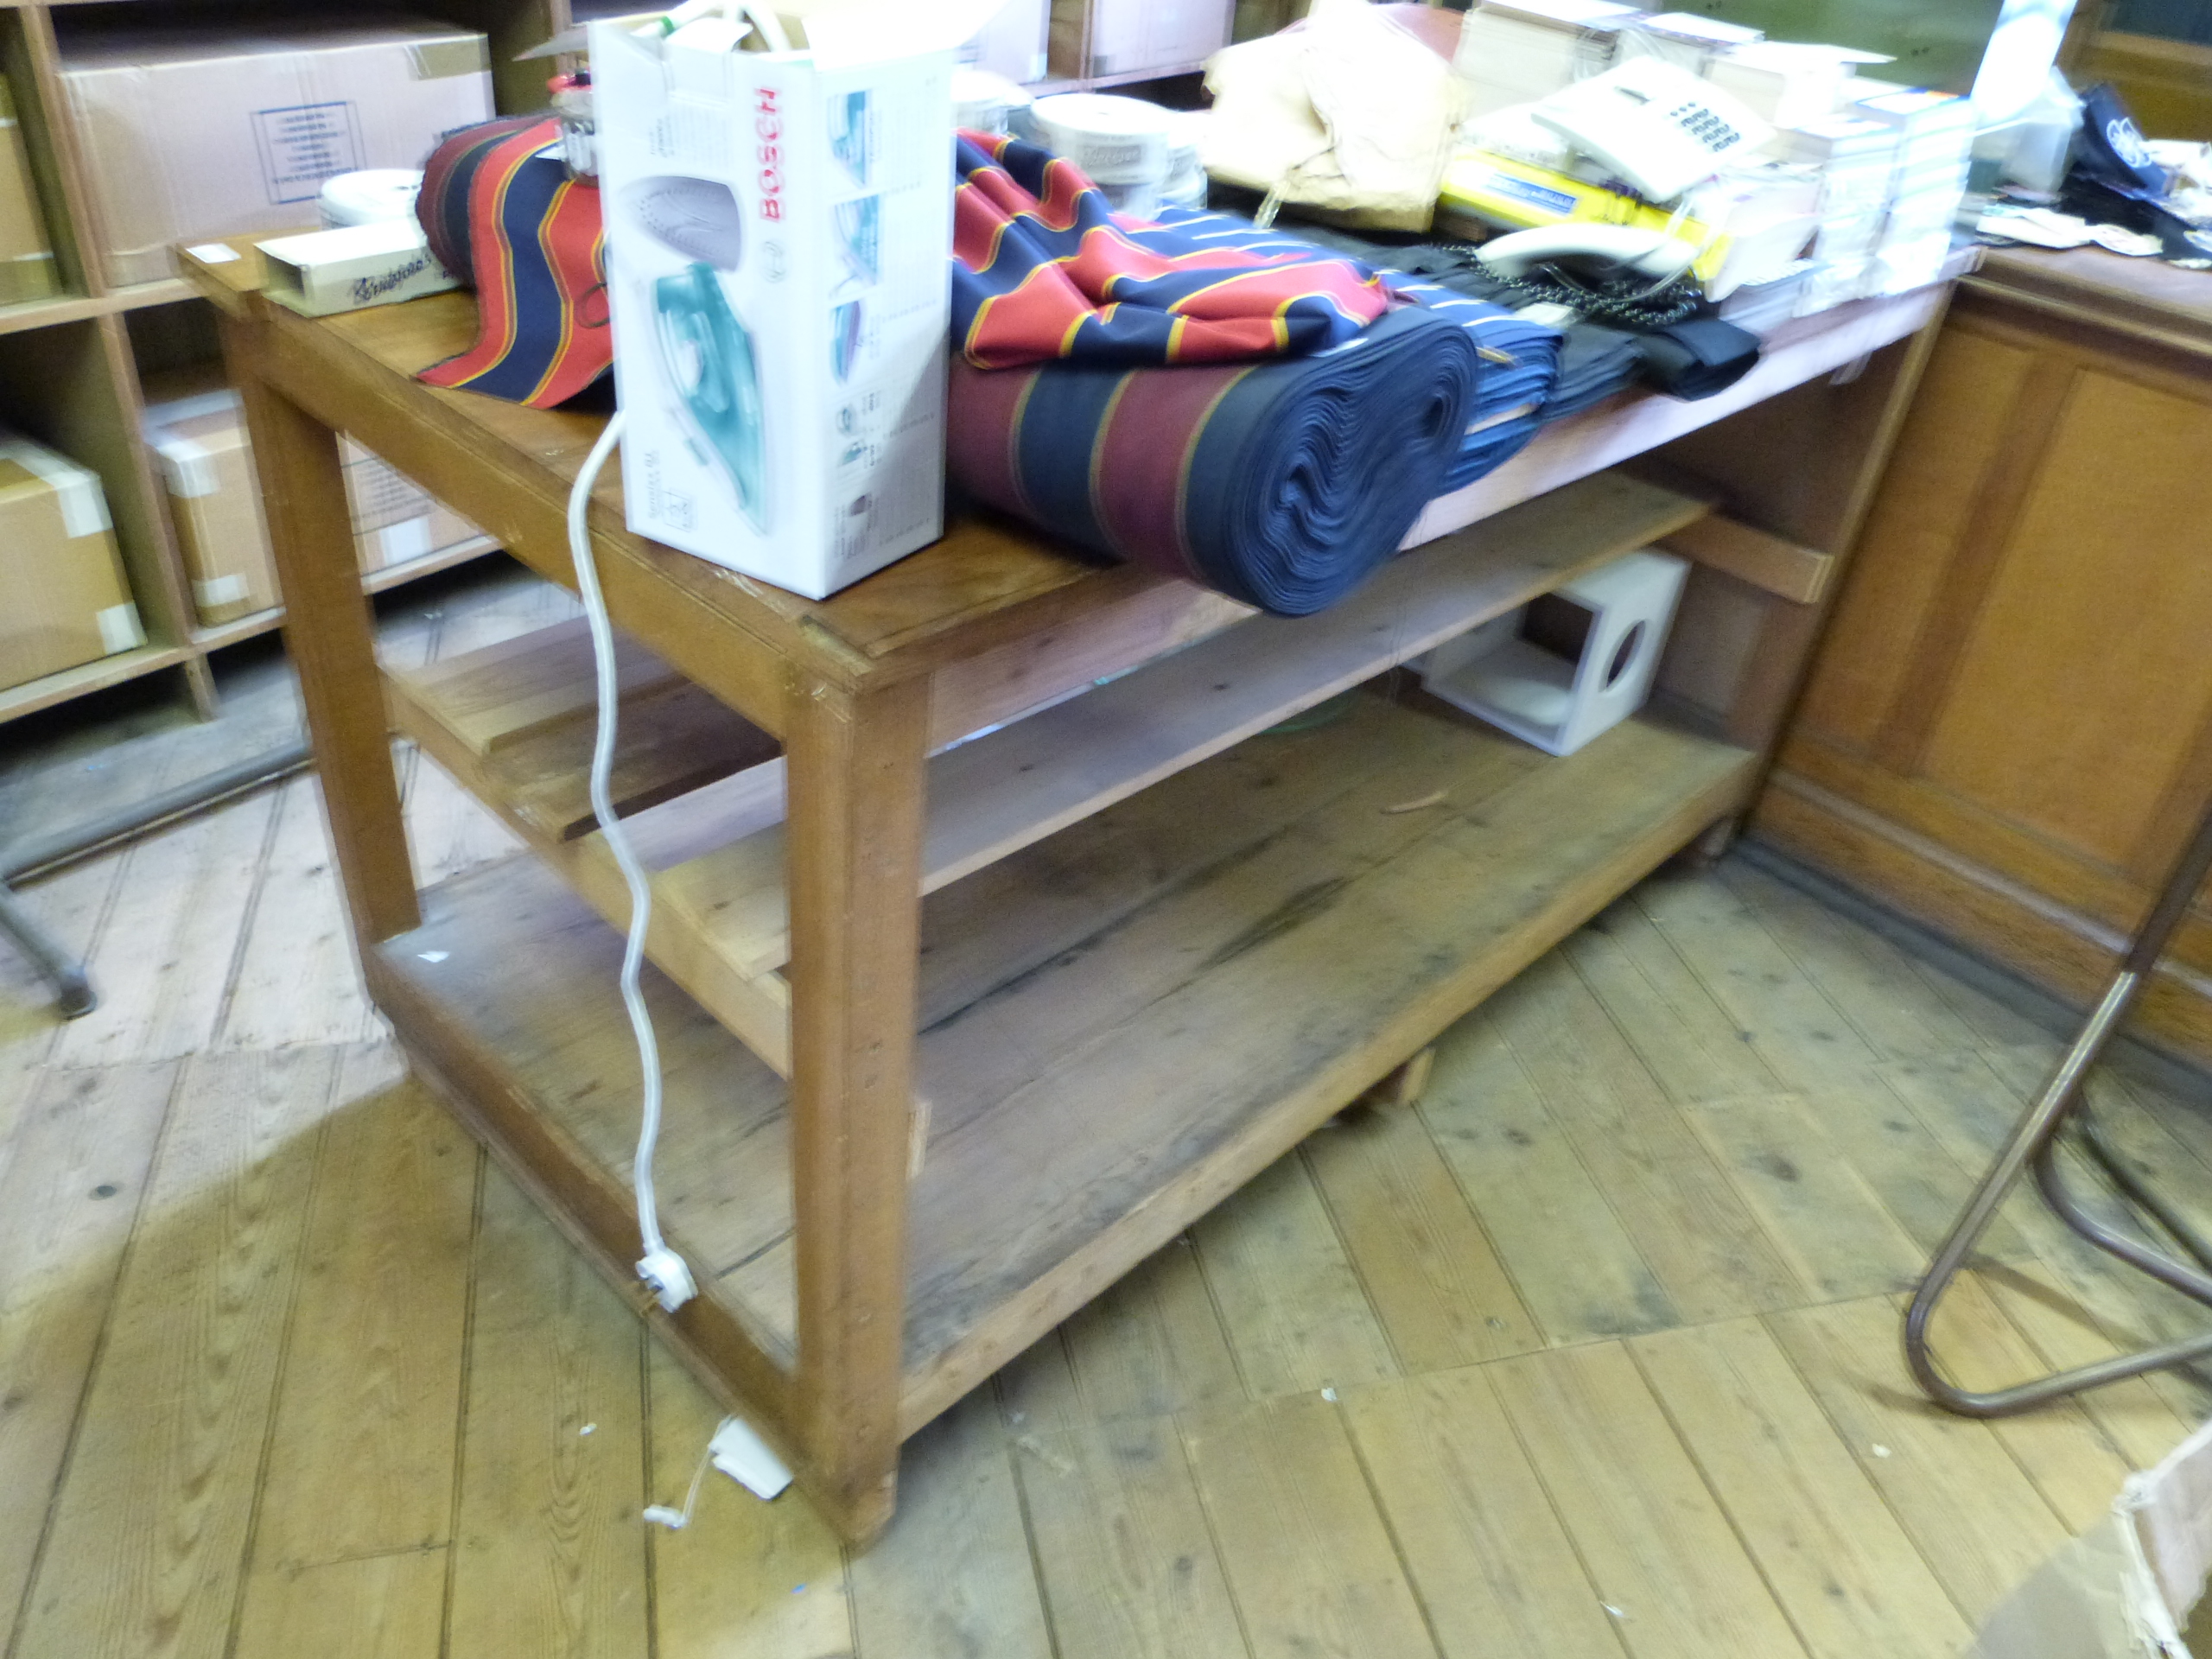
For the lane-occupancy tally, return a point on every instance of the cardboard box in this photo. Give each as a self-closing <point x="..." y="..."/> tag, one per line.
<point x="26" y="255"/>
<point x="67" y="599"/>
<point x="1012" y="43"/>
<point x="780" y="231"/>
<point x="352" y="266"/>
<point x="394" y="520"/>
<point x="196" y="429"/>
<point x="189" y="137"/>
<point x="197" y="432"/>
<point x="1135" y="37"/>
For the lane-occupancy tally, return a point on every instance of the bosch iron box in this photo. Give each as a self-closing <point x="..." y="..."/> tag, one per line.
<point x="778" y="226"/>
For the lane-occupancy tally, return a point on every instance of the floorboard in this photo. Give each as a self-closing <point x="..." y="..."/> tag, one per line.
<point x="1590" y="1353"/>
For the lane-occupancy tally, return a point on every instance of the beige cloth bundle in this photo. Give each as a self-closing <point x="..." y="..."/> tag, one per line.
<point x="1351" y="113"/>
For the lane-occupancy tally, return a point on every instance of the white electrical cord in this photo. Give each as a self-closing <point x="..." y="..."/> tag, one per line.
<point x="660" y="1267"/>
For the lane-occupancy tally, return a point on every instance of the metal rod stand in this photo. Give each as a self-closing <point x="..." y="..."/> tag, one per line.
<point x="73" y="993"/>
<point x="2035" y="1141"/>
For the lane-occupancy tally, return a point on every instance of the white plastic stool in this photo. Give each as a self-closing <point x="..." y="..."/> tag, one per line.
<point x="1556" y="702"/>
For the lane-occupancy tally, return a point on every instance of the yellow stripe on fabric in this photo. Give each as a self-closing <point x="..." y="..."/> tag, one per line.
<point x="1183" y="469"/>
<point x="567" y="310"/>
<point x="1097" y="471"/>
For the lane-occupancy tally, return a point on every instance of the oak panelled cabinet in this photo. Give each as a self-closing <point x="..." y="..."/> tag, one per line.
<point x="2008" y="730"/>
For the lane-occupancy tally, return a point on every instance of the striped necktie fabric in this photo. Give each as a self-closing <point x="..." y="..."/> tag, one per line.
<point x="1042" y="269"/>
<point x="501" y="211"/>
<point x="1522" y="356"/>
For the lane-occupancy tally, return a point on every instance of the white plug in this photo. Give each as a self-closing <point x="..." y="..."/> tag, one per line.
<point x="665" y="1271"/>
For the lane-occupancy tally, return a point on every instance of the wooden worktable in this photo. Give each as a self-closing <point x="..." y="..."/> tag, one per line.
<point x="906" y="1136"/>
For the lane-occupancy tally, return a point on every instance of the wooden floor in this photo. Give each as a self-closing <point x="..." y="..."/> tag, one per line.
<point x="1592" y="1357"/>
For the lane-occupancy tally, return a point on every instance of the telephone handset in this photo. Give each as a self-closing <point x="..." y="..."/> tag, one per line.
<point x="1658" y="126"/>
<point x="1589" y="249"/>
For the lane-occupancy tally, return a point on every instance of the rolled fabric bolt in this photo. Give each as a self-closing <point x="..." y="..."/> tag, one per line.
<point x="1284" y="483"/>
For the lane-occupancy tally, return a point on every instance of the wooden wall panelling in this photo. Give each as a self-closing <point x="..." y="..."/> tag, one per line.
<point x="2167" y="84"/>
<point x="1955" y="426"/>
<point x="2084" y="676"/>
<point x="2009" y="730"/>
<point x="1754" y="646"/>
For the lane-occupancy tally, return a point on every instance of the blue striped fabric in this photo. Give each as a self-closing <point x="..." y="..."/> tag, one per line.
<point x="1523" y="357"/>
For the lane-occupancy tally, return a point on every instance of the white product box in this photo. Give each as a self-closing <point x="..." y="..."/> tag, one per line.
<point x="324" y="272"/>
<point x="778" y="229"/>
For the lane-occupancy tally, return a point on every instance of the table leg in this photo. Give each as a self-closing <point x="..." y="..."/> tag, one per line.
<point x="329" y="634"/>
<point x="855" y="786"/>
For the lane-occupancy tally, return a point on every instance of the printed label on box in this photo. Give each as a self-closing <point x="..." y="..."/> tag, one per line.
<point x="302" y="145"/>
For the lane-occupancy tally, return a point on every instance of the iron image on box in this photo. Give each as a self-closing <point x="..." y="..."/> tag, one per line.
<point x="779" y="227"/>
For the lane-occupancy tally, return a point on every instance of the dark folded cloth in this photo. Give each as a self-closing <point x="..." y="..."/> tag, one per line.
<point x="1697" y="357"/>
<point x="1520" y="357"/>
<point x="1282" y="483"/>
<point x="1692" y="358"/>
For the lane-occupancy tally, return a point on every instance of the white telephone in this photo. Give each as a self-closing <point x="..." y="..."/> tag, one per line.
<point x="1656" y="124"/>
<point x="1590" y="249"/>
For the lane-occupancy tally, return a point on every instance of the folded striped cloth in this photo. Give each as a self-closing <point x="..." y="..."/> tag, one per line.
<point x="1284" y="482"/>
<point x="1042" y="269"/>
<point x="500" y="212"/>
<point x="1520" y="358"/>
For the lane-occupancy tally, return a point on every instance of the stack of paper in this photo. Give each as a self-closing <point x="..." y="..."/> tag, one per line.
<point x="1787" y="83"/>
<point x="1934" y="142"/>
<point x="1854" y="158"/>
<point x="1516" y="51"/>
<point x="1686" y="38"/>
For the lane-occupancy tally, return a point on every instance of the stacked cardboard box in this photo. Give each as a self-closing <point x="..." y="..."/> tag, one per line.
<point x="194" y="135"/>
<point x="26" y="256"/>
<point x="393" y="520"/>
<point x="196" y="429"/>
<point x="67" y="599"/>
<point x="1135" y="37"/>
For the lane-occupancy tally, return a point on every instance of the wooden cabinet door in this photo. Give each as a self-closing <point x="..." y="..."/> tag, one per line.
<point x="2008" y="732"/>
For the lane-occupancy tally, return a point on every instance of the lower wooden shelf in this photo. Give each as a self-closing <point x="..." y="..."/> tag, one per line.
<point x="1119" y="1023"/>
<point x="374" y="582"/>
<point x="96" y="675"/>
<point x="721" y="926"/>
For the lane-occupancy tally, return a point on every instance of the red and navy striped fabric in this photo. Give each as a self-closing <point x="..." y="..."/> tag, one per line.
<point x="501" y="211"/>
<point x="1284" y="482"/>
<point x="1041" y="269"/>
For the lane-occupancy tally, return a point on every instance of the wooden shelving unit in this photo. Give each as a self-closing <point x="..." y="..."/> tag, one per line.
<point x="68" y="374"/>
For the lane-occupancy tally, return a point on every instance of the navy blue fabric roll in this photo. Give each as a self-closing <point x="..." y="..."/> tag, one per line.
<point x="1284" y="483"/>
<point x="1520" y="359"/>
